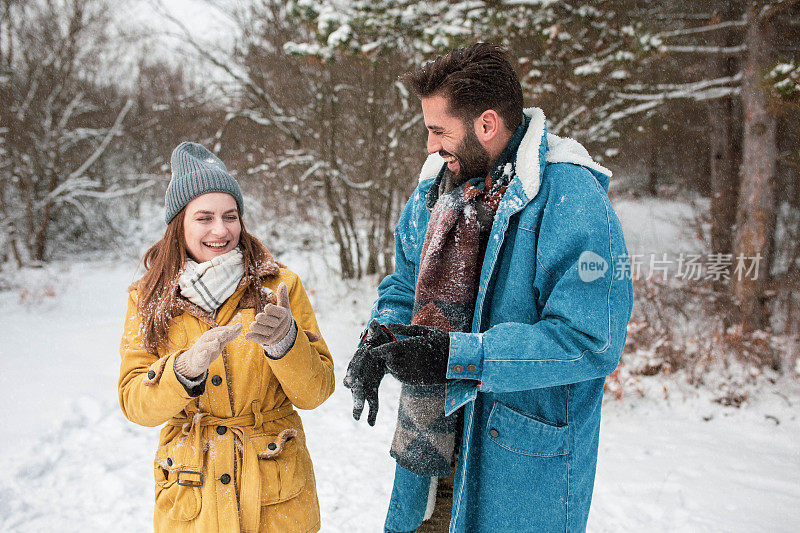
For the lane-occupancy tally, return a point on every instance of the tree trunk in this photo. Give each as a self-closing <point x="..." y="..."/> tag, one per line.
<point x="724" y="143"/>
<point x="759" y="157"/>
<point x="11" y="231"/>
<point x="387" y="237"/>
<point x="351" y="232"/>
<point x="652" y="161"/>
<point x="724" y="176"/>
<point x="345" y="258"/>
<point x="40" y="237"/>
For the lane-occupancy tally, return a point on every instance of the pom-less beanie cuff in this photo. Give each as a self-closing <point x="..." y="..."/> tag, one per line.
<point x="197" y="171"/>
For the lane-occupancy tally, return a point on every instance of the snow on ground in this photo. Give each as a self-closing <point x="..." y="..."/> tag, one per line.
<point x="73" y="462"/>
<point x="658" y="226"/>
<point x="671" y="462"/>
<point x="691" y="465"/>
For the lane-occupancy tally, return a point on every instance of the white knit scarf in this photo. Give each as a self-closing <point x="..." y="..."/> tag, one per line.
<point x="209" y="284"/>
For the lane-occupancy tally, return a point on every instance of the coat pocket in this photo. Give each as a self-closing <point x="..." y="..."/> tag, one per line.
<point x="283" y="474"/>
<point x="178" y="482"/>
<point x="525" y="434"/>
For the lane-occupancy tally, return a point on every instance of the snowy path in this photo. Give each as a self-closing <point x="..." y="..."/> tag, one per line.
<point x="73" y="463"/>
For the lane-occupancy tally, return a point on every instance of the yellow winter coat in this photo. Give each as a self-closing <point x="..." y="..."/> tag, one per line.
<point x="235" y="457"/>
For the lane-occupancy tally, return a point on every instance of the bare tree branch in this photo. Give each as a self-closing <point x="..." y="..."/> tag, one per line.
<point x="773" y="9"/>
<point x="700" y="91"/>
<point x="243" y="79"/>
<point x="702" y="29"/>
<point x="698" y="49"/>
<point x="112" y="132"/>
<point x="702" y="84"/>
<point x="556" y="128"/>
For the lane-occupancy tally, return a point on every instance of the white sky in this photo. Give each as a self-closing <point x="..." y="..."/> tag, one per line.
<point x="205" y="22"/>
<point x="152" y="35"/>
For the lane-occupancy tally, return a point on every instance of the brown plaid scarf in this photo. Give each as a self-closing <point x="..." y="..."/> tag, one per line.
<point x="447" y="286"/>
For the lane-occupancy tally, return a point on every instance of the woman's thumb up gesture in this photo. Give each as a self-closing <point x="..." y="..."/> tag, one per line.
<point x="273" y="324"/>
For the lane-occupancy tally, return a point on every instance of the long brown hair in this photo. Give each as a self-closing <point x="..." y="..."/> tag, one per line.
<point x="159" y="285"/>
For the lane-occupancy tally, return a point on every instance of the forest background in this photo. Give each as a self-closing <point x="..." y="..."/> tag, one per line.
<point x="689" y="101"/>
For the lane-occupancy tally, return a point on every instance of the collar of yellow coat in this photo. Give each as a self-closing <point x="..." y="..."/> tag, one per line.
<point x="241" y="298"/>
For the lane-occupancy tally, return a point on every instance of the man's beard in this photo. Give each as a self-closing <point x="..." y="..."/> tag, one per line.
<point x="473" y="159"/>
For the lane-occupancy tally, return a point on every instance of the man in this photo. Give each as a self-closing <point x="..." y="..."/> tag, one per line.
<point x="511" y="268"/>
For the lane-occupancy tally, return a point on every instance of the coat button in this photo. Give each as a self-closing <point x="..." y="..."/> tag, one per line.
<point x="494" y="433"/>
<point x="458" y="369"/>
<point x="216" y="380"/>
<point x="472" y="368"/>
<point x="225" y="479"/>
<point x="151" y="374"/>
<point x="272" y="445"/>
<point x="169" y="461"/>
<point x="221" y="430"/>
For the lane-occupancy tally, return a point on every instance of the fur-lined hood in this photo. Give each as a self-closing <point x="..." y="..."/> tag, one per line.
<point x="537" y="145"/>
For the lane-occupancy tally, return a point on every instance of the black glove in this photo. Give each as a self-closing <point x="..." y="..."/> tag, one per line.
<point x="365" y="371"/>
<point x="421" y="359"/>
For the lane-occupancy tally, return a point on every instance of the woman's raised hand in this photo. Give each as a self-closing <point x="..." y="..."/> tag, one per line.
<point x="273" y="324"/>
<point x="196" y="360"/>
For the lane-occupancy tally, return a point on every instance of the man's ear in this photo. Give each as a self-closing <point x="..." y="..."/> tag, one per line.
<point x="488" y="125"/>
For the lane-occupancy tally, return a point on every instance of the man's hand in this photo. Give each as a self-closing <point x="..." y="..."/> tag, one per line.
<point x="365" y="371"/>
<point x="196" y="360"/>
<point x="273" y="324"/>
<point x="421" y="359"/>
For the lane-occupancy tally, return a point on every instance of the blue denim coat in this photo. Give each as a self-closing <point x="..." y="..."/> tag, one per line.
<point x="550" y="319"/>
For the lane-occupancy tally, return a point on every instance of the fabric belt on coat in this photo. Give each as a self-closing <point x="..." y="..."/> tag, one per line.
<point x="243" y="427"/>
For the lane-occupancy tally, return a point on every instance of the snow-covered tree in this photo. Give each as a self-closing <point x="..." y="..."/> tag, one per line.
<point x="738" y="56"/>
<point x="321" y="75"/>
<point x="321" y="120"/>
<point x="59" y="118"/>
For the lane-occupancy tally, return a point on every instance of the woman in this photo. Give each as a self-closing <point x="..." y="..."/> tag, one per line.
<point x="221" y="343"/>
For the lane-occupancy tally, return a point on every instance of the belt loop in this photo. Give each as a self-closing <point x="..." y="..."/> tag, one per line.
<point x="257" y="418"/>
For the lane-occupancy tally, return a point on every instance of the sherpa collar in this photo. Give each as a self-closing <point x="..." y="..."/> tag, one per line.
<point x="536" y="149"/>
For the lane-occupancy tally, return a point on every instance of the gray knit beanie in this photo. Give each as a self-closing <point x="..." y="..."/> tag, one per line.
<point x="196" y="171"/>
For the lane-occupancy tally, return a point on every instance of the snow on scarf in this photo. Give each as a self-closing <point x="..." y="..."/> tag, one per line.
<point x="447" y="285"/>
<point x="209" y="284"/>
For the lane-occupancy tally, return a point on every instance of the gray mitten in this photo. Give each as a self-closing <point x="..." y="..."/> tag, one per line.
<point x="196" y="360"/>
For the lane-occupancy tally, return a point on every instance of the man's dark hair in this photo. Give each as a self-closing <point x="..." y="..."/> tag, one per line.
<point x="473" y="79"/>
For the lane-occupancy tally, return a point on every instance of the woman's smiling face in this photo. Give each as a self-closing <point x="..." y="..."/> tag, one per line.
<point x="211" y="226"/>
